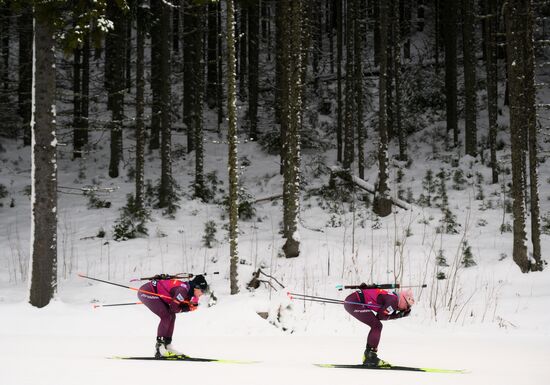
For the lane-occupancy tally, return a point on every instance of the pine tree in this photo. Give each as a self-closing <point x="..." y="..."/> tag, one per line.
<point x="516" y="11"/>
<point x="339" y="104"/>
<point x="492" y="80"/>
<point x="167" y="190"/>
<point x="382" y="204"/>
<point x="253" y="66"/>
<point x="398" y="38"/>
<point x="358" y="77"/>
<point x="212" y="54"/>
<point x="469" y="52"/>
<point x="233" y="157"/>
<point x="155" y="16"/>
<point x="115" y="83"/>
<point x="25" y="69"/>
<point x="449" y="31"/>
<point x="44" y="175"/>
<point x="197" y="113"/>
<point x="291" y="141"/>
<point x="140" y="104"/>
<point x="529" y="101"/>
<point x="350" y="109"/>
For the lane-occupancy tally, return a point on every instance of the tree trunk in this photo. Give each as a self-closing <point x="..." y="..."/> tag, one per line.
<point x="469" y="52"/>
<point x="449" y="23"/>
<point x="350" y="111"/>
<point x="128" y="52"/>
<point x="382" y="204"/>
<point x="492" y="81"/>
<point x="156" y="81"/>
<point x="176" y="26"/>
<point x="212" y="65"/>
<point x="81" y="93"/>
<point x="189" y="77"/>
<point x="43" y="273"/>
<point x="233" y="156"/>
<point x="77" y="103"/>
<point x="25" y="71"/>
<point x="405" y="26"/>
<point x="253" y="67"/>
<point x="140" y="103"/>
<point x="282" y="86"/>
<point x="376" y="37"/>
<point x="115" y="84"/>
<point x="358" y="58"/>
<point x="339" y="104"/>
<point x="198" y="72"/>
<point x="166" y="191"/>
<point x="291" y="182"/>
<point x="219" y="86"/>
<point x="243" y="49"/>
<point x="5" y="21"/>
<point x="515" y="35"/>
<point x="530" y="100"/>
<point x="85" y="90"/>
<point x="401" y="132"/>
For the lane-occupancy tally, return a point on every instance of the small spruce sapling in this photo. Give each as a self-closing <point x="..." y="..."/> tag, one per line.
<point x="209" y="237"/>
<point x="96" y="203"/>
<point x="440" y="260"/>
<point x="467" y="256"/>
<point x="428" y="184"/>
<point x="132" y="221"/>
<point x="459" y="180"/>
<point x="480" y="195"/>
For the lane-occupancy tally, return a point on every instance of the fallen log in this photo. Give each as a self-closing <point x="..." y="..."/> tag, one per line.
<point x="364" y="185"/>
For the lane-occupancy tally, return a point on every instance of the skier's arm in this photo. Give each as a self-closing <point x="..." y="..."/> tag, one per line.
<point x="388" y="307"/>
<point x="180" y="304"/>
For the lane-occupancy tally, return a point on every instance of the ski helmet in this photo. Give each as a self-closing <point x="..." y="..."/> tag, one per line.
<point x="406" y="299"/>
<point x="199" y="282"/>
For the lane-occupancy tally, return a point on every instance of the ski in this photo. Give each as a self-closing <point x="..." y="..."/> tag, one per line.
<point x="185" y="359"/>
<point x="391" y="367"/>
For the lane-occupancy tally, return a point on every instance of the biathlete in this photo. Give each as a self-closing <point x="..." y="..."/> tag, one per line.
<point x="371" y="306"/>
<point x="175" y="297"/>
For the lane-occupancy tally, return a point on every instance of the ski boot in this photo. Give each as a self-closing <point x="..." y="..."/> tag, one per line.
<point x="370" y="358"/>
<point x="164" y="348"/>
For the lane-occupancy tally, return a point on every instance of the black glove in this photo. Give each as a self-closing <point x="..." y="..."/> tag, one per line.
<point x="363" y="286"/>
<point x="405" y="313"/>
<point x="185" y="307"/>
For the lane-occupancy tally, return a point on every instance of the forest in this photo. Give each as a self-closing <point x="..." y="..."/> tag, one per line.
<point x="339" y="94"/>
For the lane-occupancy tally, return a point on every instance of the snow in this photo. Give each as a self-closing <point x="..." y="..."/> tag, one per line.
<point x="497" y="328"/>
<point x="69" y="343"/>
<point x="489" y="319"/>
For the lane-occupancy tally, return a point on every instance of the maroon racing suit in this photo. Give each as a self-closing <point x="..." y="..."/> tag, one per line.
<point x="177" y="297"/>
<point x="371" y="306"/>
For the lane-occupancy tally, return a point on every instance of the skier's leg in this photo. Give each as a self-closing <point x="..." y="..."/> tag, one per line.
<point x="369" y="318"/>
<point x="167" y="319"/>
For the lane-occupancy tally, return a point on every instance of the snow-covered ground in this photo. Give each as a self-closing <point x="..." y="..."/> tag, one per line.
<point x="489" y="319"/>
<point x="496" y="328"/>
<point x="71" y="343"/>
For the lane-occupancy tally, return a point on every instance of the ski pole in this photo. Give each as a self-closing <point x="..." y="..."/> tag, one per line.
<point x="312" y="298"/>
<point x="370" y="306"/>
<point x="375" y="286"/>
<point x="170" y="276"/>
<point x="134" y="288"/>
<point x="117" y="304"/>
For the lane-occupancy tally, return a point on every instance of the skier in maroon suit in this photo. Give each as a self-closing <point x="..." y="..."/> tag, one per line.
<point x="371" y="306"/>
<point x="174" y="296"/>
